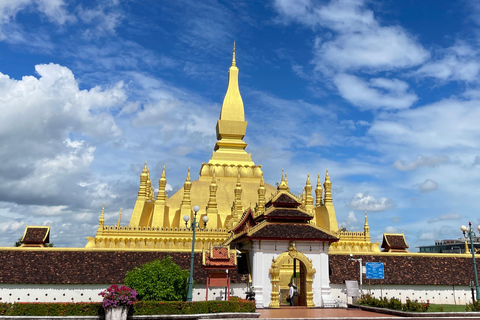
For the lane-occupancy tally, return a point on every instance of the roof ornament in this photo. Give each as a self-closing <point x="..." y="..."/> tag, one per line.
<point x="234" y="63"/>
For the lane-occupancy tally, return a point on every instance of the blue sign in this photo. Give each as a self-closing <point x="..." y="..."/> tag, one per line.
<point x="374" y="270"/>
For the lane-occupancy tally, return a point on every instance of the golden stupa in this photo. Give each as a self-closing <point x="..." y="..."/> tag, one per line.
<point x="227" y="185"/>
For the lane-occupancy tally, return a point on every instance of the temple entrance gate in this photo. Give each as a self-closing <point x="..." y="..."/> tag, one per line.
<point x="305" y="280"/>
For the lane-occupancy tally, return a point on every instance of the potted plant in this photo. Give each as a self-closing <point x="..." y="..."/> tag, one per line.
<point x="116" y="301"/>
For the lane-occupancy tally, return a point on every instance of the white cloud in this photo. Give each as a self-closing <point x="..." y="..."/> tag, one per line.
<point x="421" y="161"/>
<point x="441" y="127"/>
<point x="376" y="94"/>
<point x="459" y="62"/>
<point x="44" y="128"/>
<point x="428" y="186"/>
<point x="350" y="222"/>
<point x="54" y="10"/>
<point x="364" y="201"/>
<point x="391" y="229"/>
<point x="445" y="217"/>
<point x="360" y="41"/>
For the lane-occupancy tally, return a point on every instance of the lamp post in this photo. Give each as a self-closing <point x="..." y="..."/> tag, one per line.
<point x="193" y="225"/>
<point x="468" y="232"/>
<point x="361" y="271"/>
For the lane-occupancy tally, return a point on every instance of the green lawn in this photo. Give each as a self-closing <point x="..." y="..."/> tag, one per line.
<point x="446" y="308"/>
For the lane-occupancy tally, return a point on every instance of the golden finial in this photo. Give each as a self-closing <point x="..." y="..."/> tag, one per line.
<point x="308" y="179"/>
<point x="319" y="185"/>
<point x="188" y="175"/>
<point x="286" y="181"/>
<point x="327" y="177"/>
<point x="145" y="168"/>
<point x="234" y="63"/>
<point x="262" y="182"/>
<point x="163" y="173"/>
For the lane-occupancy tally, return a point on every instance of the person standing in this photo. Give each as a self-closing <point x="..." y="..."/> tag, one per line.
<point x="291" y="291"/>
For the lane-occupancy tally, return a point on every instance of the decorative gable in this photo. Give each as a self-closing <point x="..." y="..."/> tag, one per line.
<point x="394" y="242"/>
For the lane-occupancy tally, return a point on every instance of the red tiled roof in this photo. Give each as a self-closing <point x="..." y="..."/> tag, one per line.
<point x="36" y="235"/>
<point x="394" y="243"/>
<point x="291" y="231"/>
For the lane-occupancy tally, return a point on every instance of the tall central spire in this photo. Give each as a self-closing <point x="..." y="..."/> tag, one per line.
<point x="231" y="126"/>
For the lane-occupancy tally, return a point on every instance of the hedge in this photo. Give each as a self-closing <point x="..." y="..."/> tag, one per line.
<point x="139" y="308"/>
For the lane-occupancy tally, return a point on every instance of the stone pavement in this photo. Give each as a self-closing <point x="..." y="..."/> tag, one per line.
<point x="317" y="313"/>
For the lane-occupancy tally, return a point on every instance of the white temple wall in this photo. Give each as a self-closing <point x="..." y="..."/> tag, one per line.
<point x="436" y="294"/>
<point x="10" y="293"/>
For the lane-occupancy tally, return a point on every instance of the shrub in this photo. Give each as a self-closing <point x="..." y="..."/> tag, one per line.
<point x="475" y="306"/>
<point x="159" y="280"/>
<point x="138" y="308"/>
<point x="394" y="303"/>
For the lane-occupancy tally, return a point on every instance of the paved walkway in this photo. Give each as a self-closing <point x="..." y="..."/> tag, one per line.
<point x="317" y="313"/>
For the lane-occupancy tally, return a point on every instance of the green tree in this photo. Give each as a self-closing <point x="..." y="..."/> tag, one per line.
<point x="18" y="243"/>
<point x="159" y="280"/>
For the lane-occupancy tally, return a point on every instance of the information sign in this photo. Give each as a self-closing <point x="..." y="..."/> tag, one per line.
<point x="374" y="270"/>
<point x="352" y="288"/>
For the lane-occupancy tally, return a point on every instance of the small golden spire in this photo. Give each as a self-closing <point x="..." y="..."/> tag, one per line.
<point x="308" y="179"/>
<point x="318" y="192"/>
<point x="328" y="189"/>
<point x="366" y="228"/>
<point x="188" y="175"/>
<point x="101" y="221"/>
<point x="119" y="218"/>
<point x="234" y="63"/>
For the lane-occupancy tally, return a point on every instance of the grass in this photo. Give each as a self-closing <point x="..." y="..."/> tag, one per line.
<point x="446" y="308"/>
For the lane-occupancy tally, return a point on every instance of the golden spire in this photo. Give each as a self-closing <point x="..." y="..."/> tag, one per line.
<point x="308" y="195"/>
<point x="261" y="197"/>
<point x="101" y="221"/>
<point x="318" y="192"/>
<point x="238" y="209"/>
<point x="366" y="228"/>
<point x="187" y="185"/>
<point x="119" y="218"/>
<point x="142" y="191"/>
<point x="212" y="201"/>
<point x="328" y="188"/>
<point x="162" y="182"/>
<point x="231" y="126"/>
<point x="148" y="190"/>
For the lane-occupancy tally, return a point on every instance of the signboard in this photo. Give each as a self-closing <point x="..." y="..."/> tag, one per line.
<point x="374" y="270"/>
<point x="352" y="288"/>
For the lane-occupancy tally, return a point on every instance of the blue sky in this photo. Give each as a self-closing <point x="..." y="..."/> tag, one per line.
<point x="385" y="94"/>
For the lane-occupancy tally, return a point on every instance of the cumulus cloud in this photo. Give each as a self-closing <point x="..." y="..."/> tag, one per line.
<point x="364" y="201"/>
<point x="428" y="186"/>
<point x="44" y="131"/>
<point x="350" y="223"/>
<point x="375" y="94"/>
<point x="360" y="41"/>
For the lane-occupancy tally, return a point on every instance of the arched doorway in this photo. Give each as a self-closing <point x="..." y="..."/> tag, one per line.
<point x="304" y="280"/>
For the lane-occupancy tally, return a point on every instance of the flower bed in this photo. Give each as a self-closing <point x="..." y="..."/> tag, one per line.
<point x="138" y="308"/>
